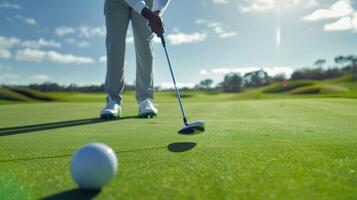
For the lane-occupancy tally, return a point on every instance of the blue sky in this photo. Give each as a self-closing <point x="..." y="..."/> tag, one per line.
<point x="63" y="41"/>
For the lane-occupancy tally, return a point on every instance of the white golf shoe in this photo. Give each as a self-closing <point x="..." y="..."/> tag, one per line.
<point x="112" y="110"/>
<point x="147" y="109"/>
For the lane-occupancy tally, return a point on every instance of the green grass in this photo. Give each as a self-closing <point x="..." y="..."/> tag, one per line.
<point x="258" y="149"/>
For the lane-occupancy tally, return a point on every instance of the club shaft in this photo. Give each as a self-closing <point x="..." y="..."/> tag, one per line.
<point x="174" y="80"/>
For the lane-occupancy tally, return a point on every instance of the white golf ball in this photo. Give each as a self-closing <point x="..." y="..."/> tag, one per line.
<point x="93" y="166"/>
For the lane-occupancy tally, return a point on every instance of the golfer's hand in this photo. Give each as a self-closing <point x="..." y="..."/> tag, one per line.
<point x="155" y="21"/>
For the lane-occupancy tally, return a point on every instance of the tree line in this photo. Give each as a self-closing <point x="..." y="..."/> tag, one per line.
<point x="235" y="82"/>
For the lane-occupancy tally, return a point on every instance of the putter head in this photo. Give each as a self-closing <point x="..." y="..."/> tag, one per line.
<point x="195" y="127"/>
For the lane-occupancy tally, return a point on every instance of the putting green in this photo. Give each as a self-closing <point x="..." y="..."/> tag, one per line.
<point x="259" y="149"/>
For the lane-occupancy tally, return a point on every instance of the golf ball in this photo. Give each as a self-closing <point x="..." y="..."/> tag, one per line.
<point x="93" y="166"/>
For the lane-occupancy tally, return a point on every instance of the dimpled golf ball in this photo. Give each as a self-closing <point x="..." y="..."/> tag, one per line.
<point x="93" y="166"/>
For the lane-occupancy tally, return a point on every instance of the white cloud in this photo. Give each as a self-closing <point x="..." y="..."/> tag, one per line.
<point x="203" y="72"/>
<point x="218" y="29"/>
<point x="81" y="44"/>
<point x="342" y="24"/>
<point x="10" y="6"/>
<point x="5" y="45"/>
<point x="30" y="55"/>
<point x="268" y="5"/>
<point x="342" y="10"/>
<point x="39" y="78"/>
<point x="258" y="6"/>
<point x="35" y="55"/>
<point x="8" y="42"/>
<point x="272" y="71"/>
<point x="184" y="38"/>
<point x="103" y="59"/>
<point x="339" y="9"/>
<point x="56" y="57"/>
<point x="81" y="31"/>
<point x="5" y="54"/>
<point x="220" y="1"/>
<point x="170" y="85"/>
<point x="227" y="34"/>
<point x="26" y="20"/>
<point x="41" y="43"/>
<point x="30" y="21"/>
<point x="64" y="30"/>
<point x="89" y="31"/>
<point x="354" y="21"/>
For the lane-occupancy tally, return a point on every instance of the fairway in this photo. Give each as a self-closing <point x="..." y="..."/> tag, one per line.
<point x="256" y="149"/>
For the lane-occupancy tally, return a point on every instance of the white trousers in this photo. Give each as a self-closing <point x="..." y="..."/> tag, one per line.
<point x="118" y="14"/>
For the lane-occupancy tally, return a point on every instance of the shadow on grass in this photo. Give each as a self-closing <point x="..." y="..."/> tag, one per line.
<point x="176" y="147"/>
<point x="74" y="194"/>
<point x="55" y="125"/>
<point x="179" y="147"/>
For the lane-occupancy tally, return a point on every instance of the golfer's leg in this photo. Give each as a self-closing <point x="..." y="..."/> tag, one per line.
<point x="144" y="57"/>
<point x="117" y="16"/>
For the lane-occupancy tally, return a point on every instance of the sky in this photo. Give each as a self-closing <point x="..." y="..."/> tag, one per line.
<point x="64" y="41"/>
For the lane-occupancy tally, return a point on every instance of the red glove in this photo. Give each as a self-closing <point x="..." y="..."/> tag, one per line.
<point x="155" y="21"/>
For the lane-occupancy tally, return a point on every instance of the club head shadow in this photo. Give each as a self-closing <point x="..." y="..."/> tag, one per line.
<point x="193" y="128"/>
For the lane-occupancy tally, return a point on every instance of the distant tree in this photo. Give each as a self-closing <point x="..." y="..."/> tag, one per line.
<point x="350" y="64"/>
<point x="297" y="75"/>
<point x="48" y="87"/>
<point x="256" y="79"/>
<point x="332" y="73"/>
<point x="320" y="63"/>
<point x="279" y="77"/>
<point x="307" y="73"/>
<point x="219" y="86"/>
<point x="233" y="83"/>
<point x="316" y="73"/>
<point x="205" y="84"/>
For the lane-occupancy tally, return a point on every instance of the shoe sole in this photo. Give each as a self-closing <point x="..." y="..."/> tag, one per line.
<point x="148" y="115"/>
<point x="109" y="116"/>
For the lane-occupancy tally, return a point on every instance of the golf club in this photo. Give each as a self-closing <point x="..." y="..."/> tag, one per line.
<point x="194" y="127"/>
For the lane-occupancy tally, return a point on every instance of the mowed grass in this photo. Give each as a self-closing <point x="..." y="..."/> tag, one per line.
<point x="256" y="149"/>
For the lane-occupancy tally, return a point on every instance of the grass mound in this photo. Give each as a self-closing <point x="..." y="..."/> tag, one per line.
<point x="276" y="88"/>
<point x="24" y="94"/>
<point x="32" y="94"/>
<point x="6" y="94"/>
<point x="319" y="89"/>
